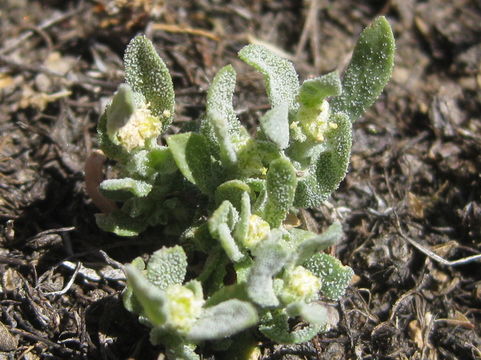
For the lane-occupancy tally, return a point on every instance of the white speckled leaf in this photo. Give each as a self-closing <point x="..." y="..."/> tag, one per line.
<point x="220" y="97"/>
<point x="151" y="298"/>
<point x="122" y="189"/>
<point x="369" y="70"/>
<point x="314" y="91"/>
<point x="221" y="225"/>
<point x="335" y="276"/>
<point x="281" y="188"/>
<point x="147" y="74"/>
<point x="281" y="79"/>
<point x="166" y="267"/>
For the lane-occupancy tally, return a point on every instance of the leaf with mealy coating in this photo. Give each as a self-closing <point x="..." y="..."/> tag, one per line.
<point x="270" y="257"/>
<point x="335" y="276"/>
<point x="110" y="149"/>
<point x="191" y="154"/>
<point x="151" y="298"/>
<point x="369" y="70"/>
<point x="318" y="242"/>
<point x="233" y="191"/>
<point x="128" y="298"/>
<point x="313" y="313"/>
<point x="147" y="74"/>
<point x="242" y="227"/>
<point x="223" y="320"/>
<point x="281" y="186"/>
<point x="123" y="189"/>
<point x="275" y="125"/>
<point x="120" y="223"/>
<point x="314" y="91"/>
<point x="277" y="329"/>
<point x="167" y="266"/>
<point x="221" y="224"/>
<point x="221" y="125"/>
<point x="281" y="79"/>
<point x="325" y="175"/>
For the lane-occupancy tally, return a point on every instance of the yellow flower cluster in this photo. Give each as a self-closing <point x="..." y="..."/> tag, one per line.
<point x="315" y="121"/>
<point x="300" y="284"/>
<point x="141" y="126"/>
<point x="183" y="307"/>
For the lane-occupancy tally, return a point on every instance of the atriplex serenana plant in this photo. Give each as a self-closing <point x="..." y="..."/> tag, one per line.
<point x="225" y="195"/>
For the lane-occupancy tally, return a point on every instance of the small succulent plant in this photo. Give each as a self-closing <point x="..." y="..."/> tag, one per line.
<point x="226" y="195"/>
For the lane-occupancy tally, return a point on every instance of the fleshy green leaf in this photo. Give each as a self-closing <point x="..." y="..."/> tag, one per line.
<point x="229" y="244"/>
<point x="224" y="214"/>
<point x="326" y="174"/>
<point x="150" y="297"/>
<point x="128" y="298"/>
<point x="233" y="191"/>
<point x="221" y="224"/>
<point x="110" y="149"/>
<point x="147" y="74"/>
<point x="161" y="160"/>
<point x="281" y="188"/>
<point x="223" y="320"/>
<point x="221" y="125"/>
<point x="279" y="75"/>
<point x="314" y="91"/>
<point x="191" y="154"/>
<point x="242" y="227"/>
<point x="369" y="70"/>
<point x="313" y="313"/>
<point x="123" y="189"/>
<point x="318" y="242"/>
<point x="167" y="266"/>
<point x="277" y="329"/>
<point x="120" y="223"/>
<point x="335" y="276"/>
<point x="220" y="96"/>
<point x="270" y="257"/>
<point x="120" y="110"/>
<point x="275" y="125"/>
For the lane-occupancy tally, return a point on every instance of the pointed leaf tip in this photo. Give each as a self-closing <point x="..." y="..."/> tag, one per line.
<point x="279" y="74"/>
<point x="369" y="70"/>
<point x="148" y="75"/>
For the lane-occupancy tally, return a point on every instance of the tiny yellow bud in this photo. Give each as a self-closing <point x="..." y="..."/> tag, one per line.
<point x="315" y="121"/>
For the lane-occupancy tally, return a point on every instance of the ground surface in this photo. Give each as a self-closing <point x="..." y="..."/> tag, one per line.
<point x="414" y="176"/>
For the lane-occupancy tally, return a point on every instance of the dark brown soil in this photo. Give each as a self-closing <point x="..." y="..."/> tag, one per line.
<point x="412" y="193"/>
